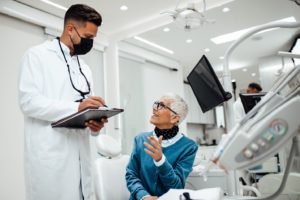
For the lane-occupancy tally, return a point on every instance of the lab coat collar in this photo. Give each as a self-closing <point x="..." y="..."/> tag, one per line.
<point x="53" y="46"/>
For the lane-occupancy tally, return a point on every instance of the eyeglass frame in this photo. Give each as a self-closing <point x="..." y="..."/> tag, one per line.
<point x="158" y="103"/>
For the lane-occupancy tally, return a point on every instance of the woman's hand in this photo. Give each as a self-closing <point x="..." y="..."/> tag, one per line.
<point x="154" y="148"/>
<point x="151" y="198"/>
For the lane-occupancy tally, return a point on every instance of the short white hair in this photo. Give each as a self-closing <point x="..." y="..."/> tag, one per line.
<point x="177" y="104"/>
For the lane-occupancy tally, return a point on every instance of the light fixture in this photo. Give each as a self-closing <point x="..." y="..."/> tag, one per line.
<point x="253" y="74"/>
<point x="188" y="17"/>
<point x="245" y="70"/>
<point x="226" y="9"/>
<point x="189" y="41"/>
<point x="124" y="8"/>
<point x="166" y="29"/>
<point x="207" y="50"/>
<point x="153" y="44"/>
<point x="54" y="4"/>
<point x="221" y="57"/>
<point x="237" y="34"/>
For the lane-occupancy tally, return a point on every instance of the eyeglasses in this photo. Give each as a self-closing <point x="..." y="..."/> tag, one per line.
<point x="160" y="105"/>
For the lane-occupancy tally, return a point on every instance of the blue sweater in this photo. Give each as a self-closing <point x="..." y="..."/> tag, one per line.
<point x="144" y="178"/>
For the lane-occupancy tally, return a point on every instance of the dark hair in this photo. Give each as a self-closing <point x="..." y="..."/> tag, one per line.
<point x="83" y="13"/>
<point x="255" y="86"/>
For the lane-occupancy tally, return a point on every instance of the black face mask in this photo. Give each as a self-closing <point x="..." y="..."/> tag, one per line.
<point x="84" y="46"/>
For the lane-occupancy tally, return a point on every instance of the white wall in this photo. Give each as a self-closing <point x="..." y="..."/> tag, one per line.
<point x="132" y="100"/>
<point x="16" y="37"/>
<point x="141" y="83"/>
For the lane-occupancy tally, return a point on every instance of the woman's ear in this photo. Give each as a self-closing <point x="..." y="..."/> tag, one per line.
<point x="175" y="119"/>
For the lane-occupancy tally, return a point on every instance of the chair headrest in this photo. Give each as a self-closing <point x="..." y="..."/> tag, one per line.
<point x="108" y="146"/>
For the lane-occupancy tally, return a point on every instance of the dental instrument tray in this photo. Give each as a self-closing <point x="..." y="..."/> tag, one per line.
<point x="78" y="120"/>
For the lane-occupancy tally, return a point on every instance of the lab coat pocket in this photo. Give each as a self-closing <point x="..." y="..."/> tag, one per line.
<point x="53" y="145"/>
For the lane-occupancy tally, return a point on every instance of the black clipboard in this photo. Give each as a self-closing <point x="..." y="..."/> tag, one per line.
<point x="77" y="120"/>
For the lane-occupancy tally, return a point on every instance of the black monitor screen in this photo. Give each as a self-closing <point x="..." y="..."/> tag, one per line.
<point x="206" y="86"/>
<point x="249" y="100"/>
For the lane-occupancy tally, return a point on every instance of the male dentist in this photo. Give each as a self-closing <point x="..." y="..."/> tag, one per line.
<point x="54" y="82"/>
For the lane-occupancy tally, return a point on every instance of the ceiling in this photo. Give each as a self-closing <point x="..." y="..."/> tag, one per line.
<point x="243" y="14"/>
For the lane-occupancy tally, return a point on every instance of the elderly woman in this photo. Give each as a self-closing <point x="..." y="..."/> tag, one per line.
<point x="161" y="159"/>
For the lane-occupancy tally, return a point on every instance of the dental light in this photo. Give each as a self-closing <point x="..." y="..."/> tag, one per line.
<point x="268" y="126"/>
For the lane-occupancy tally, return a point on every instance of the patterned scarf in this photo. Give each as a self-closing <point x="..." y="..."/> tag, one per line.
<point x="166" y="133"/>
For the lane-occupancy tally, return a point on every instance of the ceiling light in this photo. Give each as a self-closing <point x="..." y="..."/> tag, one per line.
<point x="253" y="74"/>
<point x="124" y="8"/>
<point x="245" y="69"/>
<point x="189" y="41"/>
<point x="237" y="34"/>
<point x="207" y="50"/>
<point x="226" y="9"/>
<point x="221" y="57"/>
<point x="153" y="44"/>
<point x="166" y="29"/>
<point x="54" y="4"/>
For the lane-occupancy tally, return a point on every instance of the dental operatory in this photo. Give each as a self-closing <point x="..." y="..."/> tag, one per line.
<point x="150" y="100"/>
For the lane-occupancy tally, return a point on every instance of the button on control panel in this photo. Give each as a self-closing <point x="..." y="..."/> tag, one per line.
<point x="265" y="140"/>
<point x="254" y="147"/>
<point x="248" y="153"/>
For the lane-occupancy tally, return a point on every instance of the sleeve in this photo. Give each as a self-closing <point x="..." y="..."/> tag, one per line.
<point x="161" y="162"/>
<point x="239" y="112"/>
<point x="31" y="99"/>
<point x="175" y="177"/>
<point x="134" y="183"/>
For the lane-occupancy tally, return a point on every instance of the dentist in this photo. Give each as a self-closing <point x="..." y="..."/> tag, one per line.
<point x="54" y="82"/>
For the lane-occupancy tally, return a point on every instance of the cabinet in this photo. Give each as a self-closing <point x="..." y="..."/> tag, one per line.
<point x="195" y="114"/>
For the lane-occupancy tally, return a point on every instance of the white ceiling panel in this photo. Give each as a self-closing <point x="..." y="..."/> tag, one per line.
<point x="243" y="14"/>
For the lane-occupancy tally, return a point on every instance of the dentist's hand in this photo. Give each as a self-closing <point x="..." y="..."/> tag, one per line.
<point x="96" y="102"/>
<point x="154" y="149"/>
<point x="96" y="126"/>
<point x="92" y="101"/>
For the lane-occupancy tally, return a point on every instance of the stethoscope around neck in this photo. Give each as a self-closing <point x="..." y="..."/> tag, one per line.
<point x="83" y="94"/>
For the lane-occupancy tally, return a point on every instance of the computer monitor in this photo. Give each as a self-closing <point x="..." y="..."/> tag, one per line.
<point x="249" y="100"/>
<point x="206" y="86"/>
<point x="296" y="49"/>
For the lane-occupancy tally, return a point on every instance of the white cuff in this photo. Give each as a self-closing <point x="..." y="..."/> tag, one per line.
<point x="161" y="162"/>
<point x="145" y="197"/>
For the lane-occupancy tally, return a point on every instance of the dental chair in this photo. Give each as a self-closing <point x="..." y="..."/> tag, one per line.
<point x="110" y="170"/>
<point x="268" y="184"/>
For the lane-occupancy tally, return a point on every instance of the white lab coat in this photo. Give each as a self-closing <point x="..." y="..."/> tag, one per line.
<point x="57" y="160"/>
<point x="239" y="112"/>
